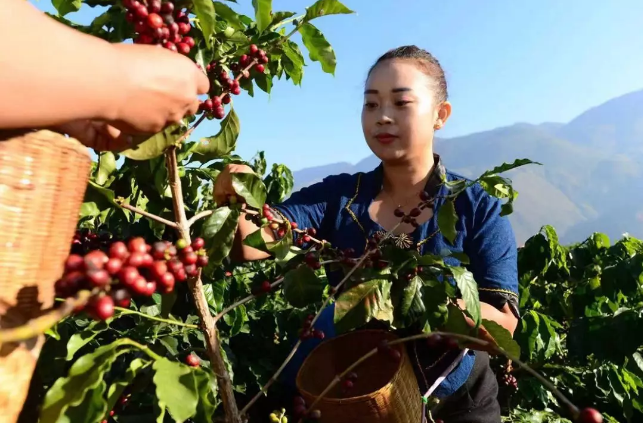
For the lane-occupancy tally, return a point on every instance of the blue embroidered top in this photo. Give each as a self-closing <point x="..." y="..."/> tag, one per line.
<point x="338" y="207"/>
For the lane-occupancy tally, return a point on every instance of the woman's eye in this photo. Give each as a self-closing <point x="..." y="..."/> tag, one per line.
<point x="370" y="105"/>
<point x="402" y="103"/>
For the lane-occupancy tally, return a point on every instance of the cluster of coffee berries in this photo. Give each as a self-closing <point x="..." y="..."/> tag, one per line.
<point x="263" y="288"/>
<point x="192" y="360"/>
<point x="299" y="410"/>
<point x="385" y="349"/>
<point x="122" y="401"/>
<point x="589" y="415"/>
<point x="85" y="240"/>
<point x="308" y="332"/>
<point x="349" y="383"/>
<point x="278" y="416"/>
<point x="305" y="236"/>
<point x="267" y="218"/>
<point x="126" y="270"/>
<point x="442" y="343"/>
<point x="509" y="380"/>
<point x="312" y="261"/>
<point x="157" y="22"/>
<point x="222" y="84"/>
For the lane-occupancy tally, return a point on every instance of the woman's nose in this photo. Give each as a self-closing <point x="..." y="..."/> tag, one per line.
<point x="384" y="118"/>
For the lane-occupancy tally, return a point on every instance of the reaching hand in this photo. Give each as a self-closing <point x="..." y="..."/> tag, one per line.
<point x="97" y="135"/>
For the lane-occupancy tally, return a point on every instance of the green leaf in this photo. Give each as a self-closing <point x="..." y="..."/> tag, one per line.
<point x="279" y="17"/>
<point x="469" y="290"/>
<point x="221" y="144"/>
<point x="80" y="339"/>
<point x="66" y="6"/>
<point x="218" y="232"/>
<point x="106" y="166"/>
<point x="502" y="337"/>
<point x="204" y="11"/>
<point x="407" y="301"/>
<point x="508" y="166"/>
<point x="154" y="146"/>
<point x="250" y="187"/>
<point x="116" y="389"/>
<point x="302" y="287"/>
<point x="236" y="319"/>
<point x="294" y="66"/>
<point x="207" y="391"/>
<point x="231" y="17"/>
<point x="456" y="321"/>
<point x="92" y="409"/>
<point x="447" y="219"/>
<point x="84" y="375"/>
<point x="263" y="10"/>
<point x="176" y="388"/>
<point x="255" y="240"/>
<point x="319" y="49"/>
<point x="362" y="303"/>
<point x="324" y="8"/>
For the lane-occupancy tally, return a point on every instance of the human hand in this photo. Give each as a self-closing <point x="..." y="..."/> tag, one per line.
<point x="483" y="334"/>
<point x="100" y="136"/>
<point x="160" y="88"/>
<point x="223" y="185"/>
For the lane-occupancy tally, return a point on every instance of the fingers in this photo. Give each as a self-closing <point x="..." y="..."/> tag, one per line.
<point x="202" y="82"/>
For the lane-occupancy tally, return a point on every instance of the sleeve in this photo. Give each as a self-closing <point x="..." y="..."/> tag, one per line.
<point x="493" y="255"/>
<point x="307" y="206"/>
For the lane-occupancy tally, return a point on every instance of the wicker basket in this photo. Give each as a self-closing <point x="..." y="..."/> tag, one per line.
<point x="43" y="177"/>
<point x="385" y="392"/>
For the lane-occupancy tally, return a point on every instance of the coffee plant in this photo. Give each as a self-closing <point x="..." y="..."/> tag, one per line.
<point x="582" y="313"/>
<point x="158" y="322"/>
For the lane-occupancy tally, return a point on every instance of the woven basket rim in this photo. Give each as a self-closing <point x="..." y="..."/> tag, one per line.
<point x="360" y="398"/>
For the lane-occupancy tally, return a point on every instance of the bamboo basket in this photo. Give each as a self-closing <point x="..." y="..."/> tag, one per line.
<point x="43" y="177"/>
<point x="385" y="391"/>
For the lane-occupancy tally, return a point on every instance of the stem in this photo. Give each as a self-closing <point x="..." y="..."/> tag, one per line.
<point x="244" y="300"/>
<point x="287" y="21"/>
<point x="573" y="409"/>
<point x="158" y="319"/>
<point x="35" y="327"/>
<point x="144" y="348"/>
<point x="196" y="289"/>
<point x="146" y="214"/>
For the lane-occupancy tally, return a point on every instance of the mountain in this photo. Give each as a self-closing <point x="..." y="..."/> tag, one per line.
<point x="591" y="179"/>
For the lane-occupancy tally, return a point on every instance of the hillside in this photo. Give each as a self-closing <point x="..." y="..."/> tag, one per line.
<point x="591" y="179"/>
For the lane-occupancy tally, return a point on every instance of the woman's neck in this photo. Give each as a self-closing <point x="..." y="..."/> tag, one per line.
<point x="407" y="177"/>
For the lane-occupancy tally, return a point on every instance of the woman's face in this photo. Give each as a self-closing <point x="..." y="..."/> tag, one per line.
<point x="400" y="111"/>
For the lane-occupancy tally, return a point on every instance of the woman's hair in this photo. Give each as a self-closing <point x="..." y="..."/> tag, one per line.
<point x="425" y="61"/>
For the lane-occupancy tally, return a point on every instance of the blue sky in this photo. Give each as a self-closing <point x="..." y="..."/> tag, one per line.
<point x="506" y="61"/>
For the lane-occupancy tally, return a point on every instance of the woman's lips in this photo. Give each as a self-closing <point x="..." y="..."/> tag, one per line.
<point x="386" y="138"/>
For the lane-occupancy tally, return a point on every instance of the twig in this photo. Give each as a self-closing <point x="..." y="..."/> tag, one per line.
<point x="196" y="289"/>
<point x="573" y="409"/>
<point x="244" y="300"/>
<point x="158" y="319"/>
<point x="146" y="214"/>
<point x="41" y="324"/>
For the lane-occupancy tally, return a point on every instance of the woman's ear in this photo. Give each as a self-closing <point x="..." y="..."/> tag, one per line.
<point x="444" y="112"/>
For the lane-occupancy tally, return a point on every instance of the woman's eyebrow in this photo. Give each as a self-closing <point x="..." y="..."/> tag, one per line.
<point x="394" y="90"/>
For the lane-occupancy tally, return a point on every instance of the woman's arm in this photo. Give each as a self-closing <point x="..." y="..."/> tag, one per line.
<point x="491" y="248"/>
<point x="305" y="207"/>
<point x="52" y="74"/>
<point x="49" y="73"/>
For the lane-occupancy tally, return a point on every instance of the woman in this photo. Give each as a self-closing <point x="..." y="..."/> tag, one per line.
<point x="53" y="76"/>
<point x="405" y="102"/>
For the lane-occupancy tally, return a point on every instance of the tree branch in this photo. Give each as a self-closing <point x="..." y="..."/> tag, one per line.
<point x="146" y="214"/>
<point x="196" y="289"/>
<point x="244" y="300"/>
